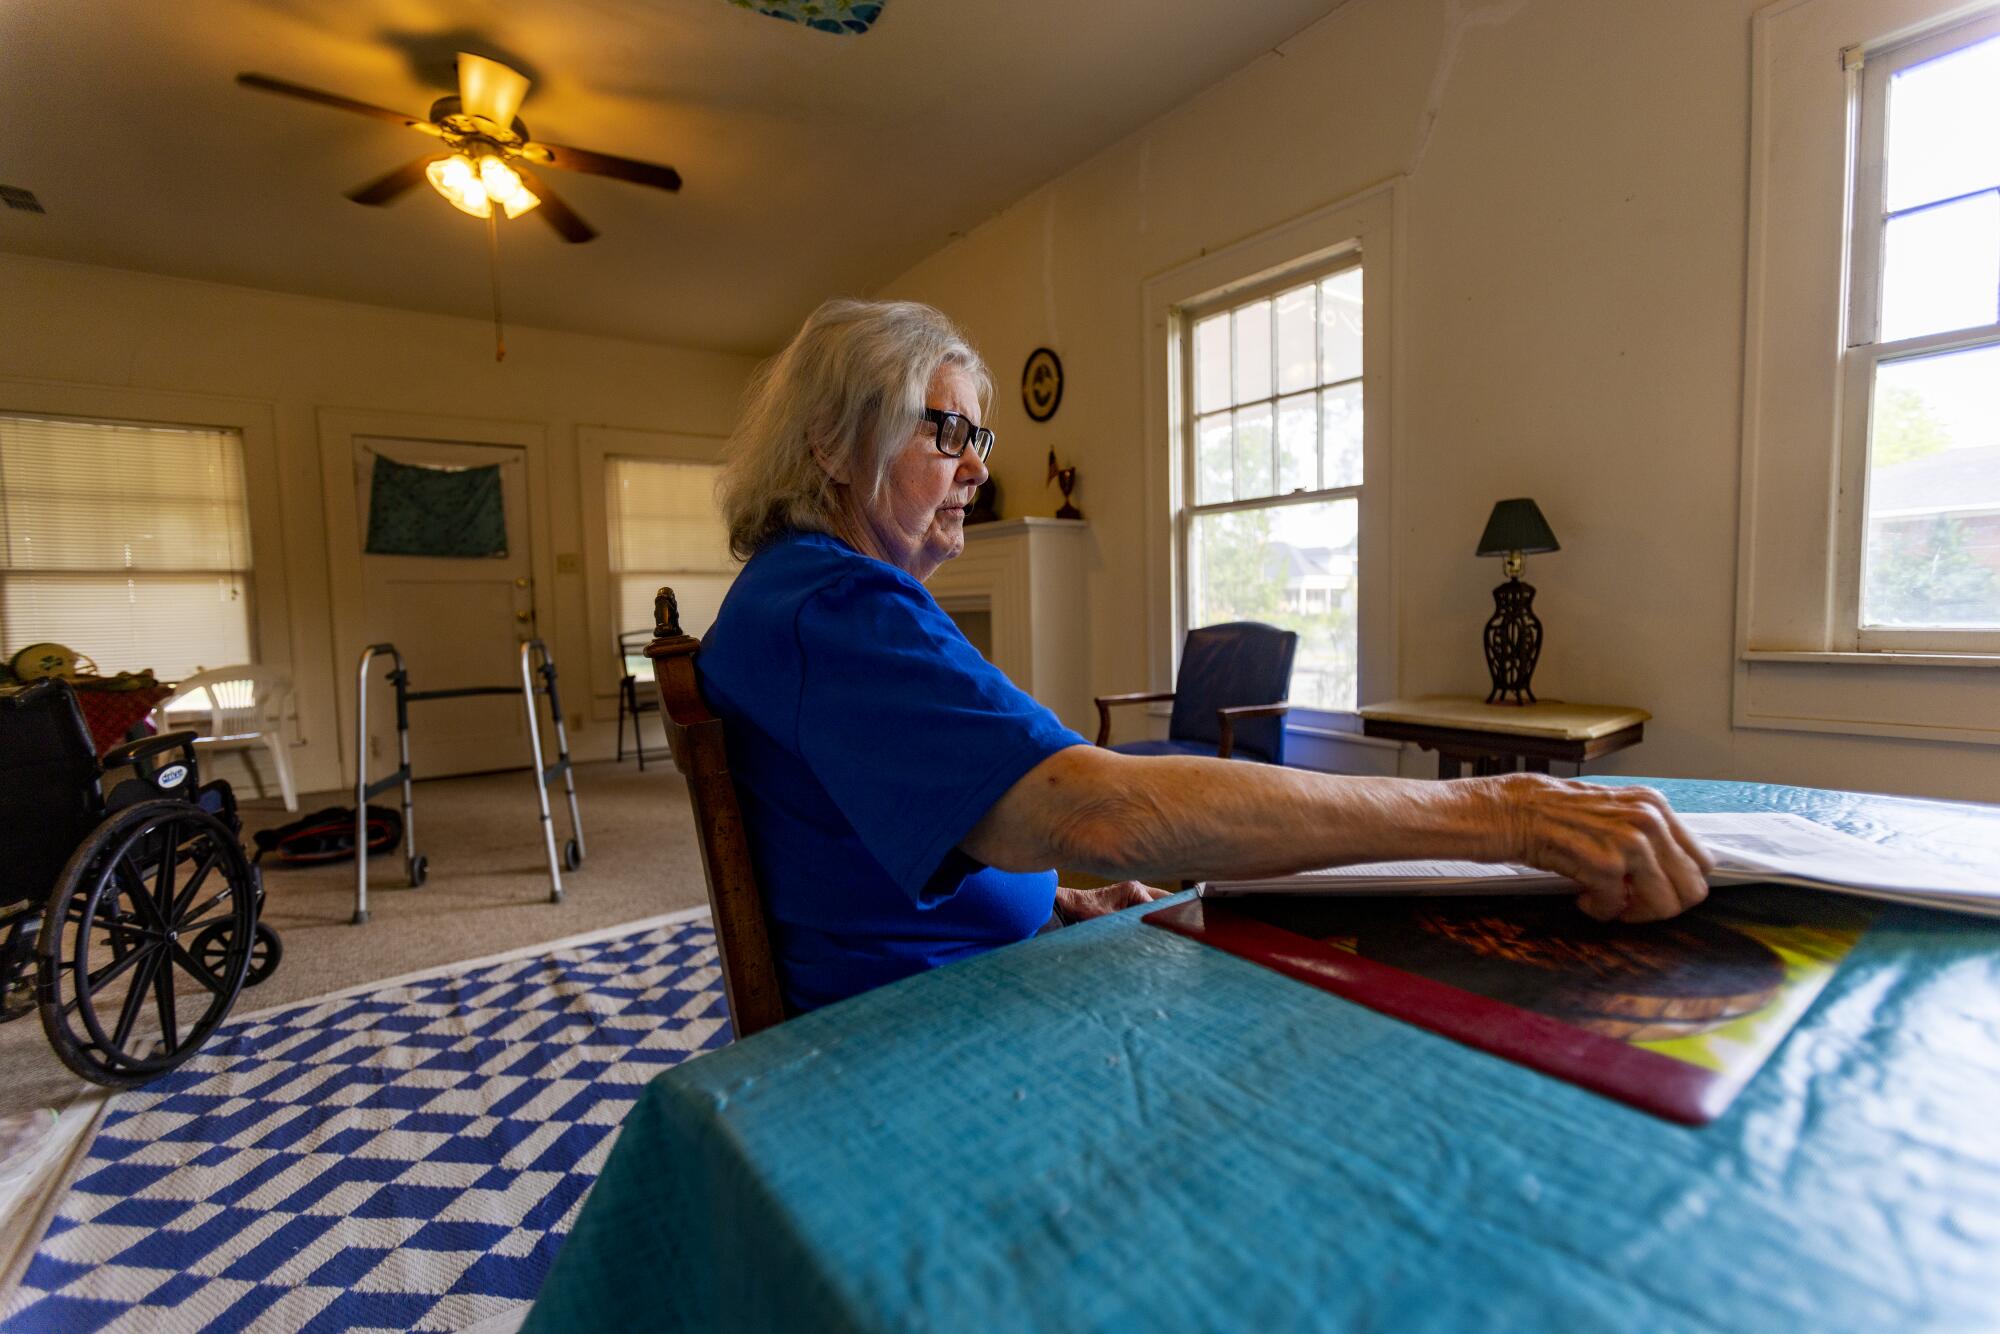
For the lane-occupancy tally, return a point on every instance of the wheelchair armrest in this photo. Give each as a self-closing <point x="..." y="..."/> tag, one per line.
<point x="1104" y="703"/>
<point x="146" y="747"/>
<point x="1226" y="721"/>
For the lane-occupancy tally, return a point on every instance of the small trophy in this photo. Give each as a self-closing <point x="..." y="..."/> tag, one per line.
<point x="1066" y="479"/>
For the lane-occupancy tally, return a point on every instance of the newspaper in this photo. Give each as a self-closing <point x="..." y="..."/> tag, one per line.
<point x="1748" y="847"/>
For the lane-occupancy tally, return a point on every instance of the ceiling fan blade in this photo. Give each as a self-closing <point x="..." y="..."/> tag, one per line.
<point x="383" y="189"/>
<point x="266" y="83"/>
<point x="603" y="164"/>
<point x="490" y="89"/>
<point x="559" y="215"/>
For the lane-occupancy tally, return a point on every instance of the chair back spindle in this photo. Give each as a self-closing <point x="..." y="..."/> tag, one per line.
<point x="742" y="930"/>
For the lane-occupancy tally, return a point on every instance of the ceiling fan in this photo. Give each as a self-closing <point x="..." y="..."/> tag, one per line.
<point x="487" y="149"/>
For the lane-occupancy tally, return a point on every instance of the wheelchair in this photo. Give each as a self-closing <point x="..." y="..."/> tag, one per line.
<point x="129" y="921"/>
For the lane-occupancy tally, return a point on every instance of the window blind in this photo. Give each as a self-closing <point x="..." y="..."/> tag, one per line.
<point x="128" y="542"/>
<point x="665" y="529"/>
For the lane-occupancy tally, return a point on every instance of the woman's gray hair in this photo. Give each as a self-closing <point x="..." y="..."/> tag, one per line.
<point x="843" y="397"/>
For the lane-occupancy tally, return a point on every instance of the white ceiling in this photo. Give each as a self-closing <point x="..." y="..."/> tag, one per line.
<point x="814" y="164"/>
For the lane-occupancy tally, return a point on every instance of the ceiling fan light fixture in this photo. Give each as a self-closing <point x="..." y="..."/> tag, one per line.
<point x="475" y="187"/>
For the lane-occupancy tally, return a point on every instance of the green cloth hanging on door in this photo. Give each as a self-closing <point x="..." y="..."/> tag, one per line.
<point x="425" y="511"/>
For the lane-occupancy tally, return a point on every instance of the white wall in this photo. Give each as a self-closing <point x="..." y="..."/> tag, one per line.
<point x="1571" y="329"/>
<point x="117" y="336"/>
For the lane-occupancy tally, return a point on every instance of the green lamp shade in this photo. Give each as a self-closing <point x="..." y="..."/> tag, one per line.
<point x="1516" y="525"/>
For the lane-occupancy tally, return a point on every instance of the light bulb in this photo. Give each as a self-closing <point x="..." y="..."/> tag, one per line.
<point x="498" y="178"/>
<point x="459" y="182"/>
<point x="504" y="184"/>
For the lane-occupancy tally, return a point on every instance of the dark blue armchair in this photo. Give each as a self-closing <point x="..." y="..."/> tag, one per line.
<point x="1229" y="697"/>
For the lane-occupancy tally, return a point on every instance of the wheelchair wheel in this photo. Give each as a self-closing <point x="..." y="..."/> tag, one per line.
<point x="124" y="996"/>
<point x="572" y="855"/>
<point x="212" y="949"/>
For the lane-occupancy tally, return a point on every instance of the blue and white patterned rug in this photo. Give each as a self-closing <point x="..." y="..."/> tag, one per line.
<point x="404" y="1157"/>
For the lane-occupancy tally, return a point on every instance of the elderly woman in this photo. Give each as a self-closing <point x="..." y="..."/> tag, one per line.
<point x="905" y="801"/>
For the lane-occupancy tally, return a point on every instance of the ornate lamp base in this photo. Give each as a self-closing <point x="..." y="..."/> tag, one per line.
<point x="1513" y="643"/>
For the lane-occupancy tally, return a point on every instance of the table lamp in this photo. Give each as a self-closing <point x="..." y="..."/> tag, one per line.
<point x="1514" y="636"/>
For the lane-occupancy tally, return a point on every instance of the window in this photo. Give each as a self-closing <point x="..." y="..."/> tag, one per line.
<point x="1924" y="343"/>
<point x="665" y="529"/>
<point x="1275" y="469"/>
<point x="129" y="543"/>
<point x="1835" y="348"/>
<point x="1268" y="490"/>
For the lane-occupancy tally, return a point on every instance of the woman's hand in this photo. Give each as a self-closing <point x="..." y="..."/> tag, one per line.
<point x="1078" y="905"/>
<point x="1636" y="861"/>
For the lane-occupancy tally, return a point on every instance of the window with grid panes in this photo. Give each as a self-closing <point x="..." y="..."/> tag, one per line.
<point x="1275" y="471"/>
<point x="1924" y="342"/>
<point x="665" y="529"/>
<point x="126" y="541"/>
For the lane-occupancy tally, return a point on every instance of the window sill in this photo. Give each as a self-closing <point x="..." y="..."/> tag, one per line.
<point x="1875" y="658"/>
<point x="1912" y="696"/>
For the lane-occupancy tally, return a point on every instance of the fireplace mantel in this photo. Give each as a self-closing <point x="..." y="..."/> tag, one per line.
<point x="1028" y="576"/>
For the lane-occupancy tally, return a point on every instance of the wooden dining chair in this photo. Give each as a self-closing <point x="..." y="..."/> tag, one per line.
<point x="742" y="930"/>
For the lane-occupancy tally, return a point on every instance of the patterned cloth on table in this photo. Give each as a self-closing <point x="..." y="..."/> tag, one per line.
<point x="110" y="714"/>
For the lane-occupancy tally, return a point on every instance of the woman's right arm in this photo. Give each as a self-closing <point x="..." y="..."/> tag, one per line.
<point x="1148" y="817"/>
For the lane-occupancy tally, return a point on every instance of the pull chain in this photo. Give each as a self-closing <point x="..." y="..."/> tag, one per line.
<point x="493" y="264"/>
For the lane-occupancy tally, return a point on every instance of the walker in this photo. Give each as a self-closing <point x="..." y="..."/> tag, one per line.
<point x="415" y="866"/>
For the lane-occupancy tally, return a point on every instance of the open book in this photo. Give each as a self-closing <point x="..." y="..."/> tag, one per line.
<point x="1749" y="847"/>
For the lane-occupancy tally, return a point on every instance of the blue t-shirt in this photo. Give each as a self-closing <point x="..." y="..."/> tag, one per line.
<point x="867" y="737"/>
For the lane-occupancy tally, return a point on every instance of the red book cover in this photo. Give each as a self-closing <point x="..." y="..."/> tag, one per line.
<point x="1671" y="1017"/>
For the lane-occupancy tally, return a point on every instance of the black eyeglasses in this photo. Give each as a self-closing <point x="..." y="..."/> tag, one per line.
<point x="955" y="431"/>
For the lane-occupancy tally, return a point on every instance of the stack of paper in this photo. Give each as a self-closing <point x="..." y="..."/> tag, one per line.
<point x="1748" y="847"/>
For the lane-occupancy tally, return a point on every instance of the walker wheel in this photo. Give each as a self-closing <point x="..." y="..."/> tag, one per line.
<point x="420" y="869"/>
<point x="572" y="855"/>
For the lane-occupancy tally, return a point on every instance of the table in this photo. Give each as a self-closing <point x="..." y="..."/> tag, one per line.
<point x="1494" y="737"/>
<point x="1111" y="1126"/>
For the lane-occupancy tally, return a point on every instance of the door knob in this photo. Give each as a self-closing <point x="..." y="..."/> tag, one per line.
<point x="523" y="582"/>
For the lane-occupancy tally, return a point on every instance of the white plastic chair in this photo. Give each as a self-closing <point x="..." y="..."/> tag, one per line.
<point x="245" y="704"/>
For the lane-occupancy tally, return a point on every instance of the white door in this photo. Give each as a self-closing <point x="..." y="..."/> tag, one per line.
<point x="458" y="621"/>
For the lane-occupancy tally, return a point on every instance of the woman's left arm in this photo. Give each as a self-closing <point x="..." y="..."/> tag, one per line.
<point x="1183" y="817"/>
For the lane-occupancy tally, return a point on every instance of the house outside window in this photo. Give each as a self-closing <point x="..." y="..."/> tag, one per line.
<point x="1275" y="469"/>
<point x="128" y="542"/>
<point x="1922" y="361"/>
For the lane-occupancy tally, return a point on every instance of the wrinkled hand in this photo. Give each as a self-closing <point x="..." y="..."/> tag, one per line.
<point x="1635" y="859"/>
<point x="1079" y="905"/>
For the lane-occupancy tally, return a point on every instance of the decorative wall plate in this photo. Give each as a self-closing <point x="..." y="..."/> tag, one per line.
<point x="1042" y="384"/>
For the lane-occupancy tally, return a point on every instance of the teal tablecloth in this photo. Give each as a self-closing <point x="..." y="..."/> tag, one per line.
<point x="1113" y="1127"/>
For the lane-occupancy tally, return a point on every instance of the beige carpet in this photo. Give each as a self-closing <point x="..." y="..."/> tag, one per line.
<point x="487" y="892"/>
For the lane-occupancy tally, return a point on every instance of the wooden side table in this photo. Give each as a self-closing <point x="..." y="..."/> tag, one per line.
<point x="1500" y="738"/>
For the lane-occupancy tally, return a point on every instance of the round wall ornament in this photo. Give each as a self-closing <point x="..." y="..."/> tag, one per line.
<point x="1042" y="384"/>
